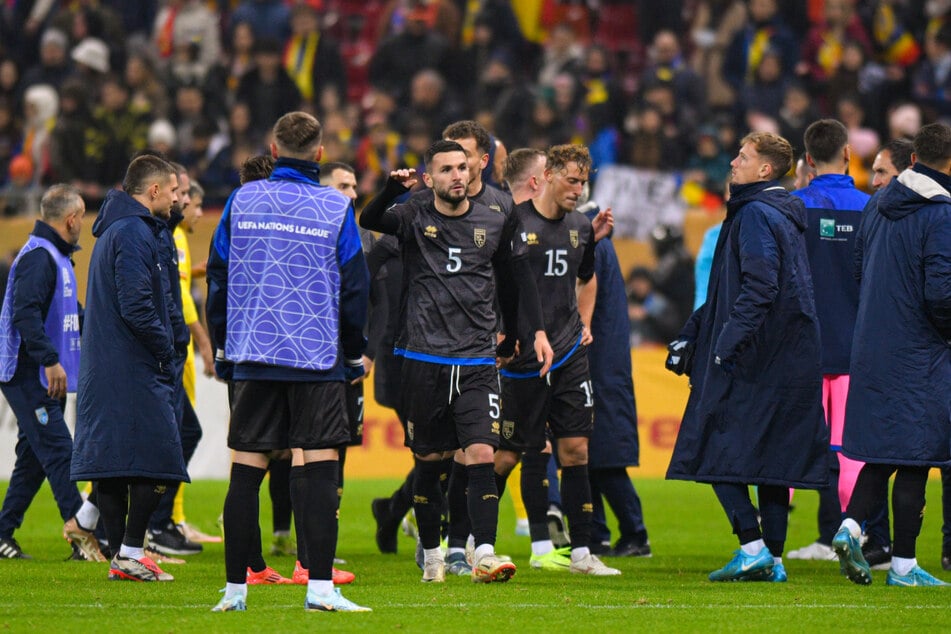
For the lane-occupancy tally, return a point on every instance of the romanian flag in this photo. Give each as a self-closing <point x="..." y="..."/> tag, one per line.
<point x="898" y="45"/>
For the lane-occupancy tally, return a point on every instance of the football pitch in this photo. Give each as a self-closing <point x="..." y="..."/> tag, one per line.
<point x="666" y="593"/>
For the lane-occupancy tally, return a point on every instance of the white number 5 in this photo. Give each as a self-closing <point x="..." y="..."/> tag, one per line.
<point x="494" y="411"/>
<point x="455" y="263"/>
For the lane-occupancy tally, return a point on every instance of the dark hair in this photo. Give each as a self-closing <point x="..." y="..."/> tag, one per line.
<point x="297" y="134"/>
<point x="518" y="163"/>
<point x="775" y="149"/>
<point x="899" y="151"/>
<point x="144" y="171"/>
<point x="933" y="144"/>
<point x="824" y="140"/>
<point x="256" y="168"/>
<point x="469" y="129"/>
<point x="441" y="146"/>
<point x="332" y="166"/>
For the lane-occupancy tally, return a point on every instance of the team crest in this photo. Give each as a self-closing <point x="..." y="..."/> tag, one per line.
<point x="508" y="429"/>
<point x="430" y="231"/>
<point x="573" y="238"/>
<point x="478" y="236"/>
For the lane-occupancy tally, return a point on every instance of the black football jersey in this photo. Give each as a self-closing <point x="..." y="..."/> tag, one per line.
<point x="560" y="252"/>
<point x="449" y="284"/>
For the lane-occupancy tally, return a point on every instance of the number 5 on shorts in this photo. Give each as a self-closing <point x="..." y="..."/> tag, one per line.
<point x="494" y="411"/>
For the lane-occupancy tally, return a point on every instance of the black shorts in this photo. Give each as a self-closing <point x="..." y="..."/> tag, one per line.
<point x="269" y="415"/>
<point x="355" y="413"/>
<point x="450" y="406"/>
<point x="563" y="399"/>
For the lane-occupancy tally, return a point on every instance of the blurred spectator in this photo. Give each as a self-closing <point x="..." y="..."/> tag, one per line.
<point x="20" y="196"/>
<point x="53" y="65"/>
<point x="268" y="89"/>
<point x="118" y="132"/>
<point x="40" y="107"/>
<point x="824" y="45"/>
<point x="20" y="25"/>
<point x="91" y="58"/>
<point x="377" y="154"/>
<point x="647" y="147"/>
<point x="189" y="109"/>
<point x="863" y="141"/>
<point x="654" y="319"/>
<point x="442" y="16"/>
<point x="80" y="19"/>
<point x="512" y="102"/>
<point x="545" y="128"/>
<point x="490" y="38"/>
<point x="10" y="84"/>
<point x="860" y="77"/>
<point x="765" y="94"/>
<point x="562" y="54"/>
<point x="931" y="85"/>
<point x="764" y="30"/>
<point x="668" y="67"/>
<point x="709" y="166"/>
<point x="147" y="93"/>
<point x="161" y="138"/>
<point x="339" y="138"/>
<point x="68" y="149"/>
<point x="673" y="273"/>
<point x="795" y="116"/>
<point x="401" y="55"/>
<point x="715" y="23"/>
<point x="429" y="100"/>
<point x="600" y="83"/>
<point x="654" y="17"/>
<point x="604" y="137"/>
<point x="270" y="19"/>
<point x="9" y="137"/>
<point x="186" y="39"/>
<point x="904" y="120"/>
<point x="312" y="59"/>
<point x="680" y="122"/>
<point x="417" y="137"/>
<point x="224" y="77"/>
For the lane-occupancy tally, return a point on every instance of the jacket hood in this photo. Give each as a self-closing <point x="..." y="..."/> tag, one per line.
<point x="116" y="206"/>
<point x="772" y="194"/>
<point x="911" y="190"/>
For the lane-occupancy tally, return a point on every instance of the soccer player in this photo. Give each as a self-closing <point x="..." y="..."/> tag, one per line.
<point x="754" y="415"/>
<point x="165" y="539"/>
<point x="39" y="364"/>
<point x="453" y="252"/>
<point x="902" y="330"/>
<point x="287" y="301"/>
<point x="126" y="429"/>
<point x="833" y="208"/>
<point x="560" y="248"/>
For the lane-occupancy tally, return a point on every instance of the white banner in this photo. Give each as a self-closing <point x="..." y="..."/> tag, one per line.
<point x="640" y="199"/>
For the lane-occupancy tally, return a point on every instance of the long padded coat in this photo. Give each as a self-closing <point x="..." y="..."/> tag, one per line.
<point x="125" y="423"/>
<point x="899" y="406"/>
<point x="756" y="417"/>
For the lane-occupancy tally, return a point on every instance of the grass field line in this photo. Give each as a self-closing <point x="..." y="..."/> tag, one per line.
<point x="517" y="606"/>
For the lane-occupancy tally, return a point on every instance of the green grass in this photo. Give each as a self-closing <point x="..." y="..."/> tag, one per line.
<point x="667" y="593"/>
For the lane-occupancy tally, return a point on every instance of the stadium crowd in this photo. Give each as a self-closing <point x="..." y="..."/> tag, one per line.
<point x="84" y="84"/>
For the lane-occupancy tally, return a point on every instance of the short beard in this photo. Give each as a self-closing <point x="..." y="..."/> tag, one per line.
<point x="448" y="197"/>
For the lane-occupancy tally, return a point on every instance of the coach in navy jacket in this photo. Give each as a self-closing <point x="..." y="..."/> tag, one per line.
<point x="126" y="426"/>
